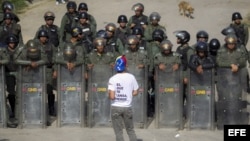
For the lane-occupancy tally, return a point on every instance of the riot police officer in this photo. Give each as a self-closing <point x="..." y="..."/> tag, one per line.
<point x="139" y="19"/>
<point x="154" y="19"/>
<point x="122" y="31"/>
<point x="67" y="21"/>
<point x="8" y="7"/>
<point x="241" y="30"/>
<point x="10" y="27"/>
<point x="113" y="43"/>
<point x="13" y="51"/>
<point x="201" y="60"/>
<point x="50" y="50"/>
<point x="52" y="29"/>
<point x="83" y="7"/>
<point x="143" y="44"/>
<point x="201" y="35"/>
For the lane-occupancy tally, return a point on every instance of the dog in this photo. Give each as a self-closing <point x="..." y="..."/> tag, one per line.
<point x="186" y="9"/>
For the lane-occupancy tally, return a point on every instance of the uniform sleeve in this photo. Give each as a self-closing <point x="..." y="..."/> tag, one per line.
<point x="135" y="84"/>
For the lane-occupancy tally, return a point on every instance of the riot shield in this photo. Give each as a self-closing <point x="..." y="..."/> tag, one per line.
<point x="98" y="98"/>
<point x="200" y="102"/>
<point x="71" y="96"/>
<point x="139" y="102"/>
<point x="169" y="98"/>
<point x="32" y="97"/>
<point x="231" y="108"/>
<point x="3" y="114"/>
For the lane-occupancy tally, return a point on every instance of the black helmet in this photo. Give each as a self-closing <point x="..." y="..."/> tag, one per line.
<point x="228" y="30"/>
<point x="43" y="33"/>
<point x="83" y="15"/>
<point x="201" y="46"/>
<point x="236" y="15"/>
<point x="71" y="4"/>
<point x="101" y="33"/>
<point x="166" y="45"/>
<point x="214" y="44"/>
<point x="83" y="6"/>
<point x="33" y="51"/>
<point x="137" y="31"/>
<point x="158" y="35"/>
<point x="122" y="19"/>
<point x="7" y="5"/>
<point x="8" y="16"/>
<point x="138" y="7"/>
<point x="69" y="53"/>
<point x="183" y="35"/>
<point x="154" y="16"/>
<point x="49" y="15"/>
<point x="202" y="34"/>
<point x="99" y="41"/>
<point x="11" y="39"/>
<point x="111" y="27"/>
<point x="76" y="31"/>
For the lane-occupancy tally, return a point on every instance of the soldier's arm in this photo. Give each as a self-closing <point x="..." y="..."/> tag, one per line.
<point x="247" y="35"/>
<point x="193" y="63"/>
<point x="20" y="36"/>
<point x="5" y="57"/>
<point x="62" y="27"/>
<point x="120" y="46"/>
<point x="189" y="53"/>
<point x="93" y="23"/>
<point x="148" y="34"/>
<point x="80" y="56"/>
<point x="43" y="60"/>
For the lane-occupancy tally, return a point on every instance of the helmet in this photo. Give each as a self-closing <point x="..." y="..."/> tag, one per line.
<point x="71" y="4"/>
<point x="8" y="16"/>
<point x="201" y="46"/>
<point x="11" y="39"/>
<point x="183" y="35"/>
<point x="122" y="19"/>
<point x="137" y="31"/>
<point x="202" y="34"/>
<point x="228" y="30"/>
<point x="132" y="40"/>
<point x="33" y="51"/>
<point x="83" y="15"/>
<point x="120" y="63"/>
<point x="214" y="44"/>
<point x="99" y="41"/>
<point x="166" y="45"/>
<point x="158" y="35"/>
<point x="76" y="31"/>
<point x="236" y="15"/>
<point x="138" y="7"/>
<point x="110" y="27"/>
<point x="231" y="39"/>
<point x="69" y="53"/>
<point x="43" y="33"/>
<point x="83" y="6"/>
<point x="101" y="33"/>
<point x="49" y="15"/>
<point x="154" y="16"/>
<point x="7" y="5"/>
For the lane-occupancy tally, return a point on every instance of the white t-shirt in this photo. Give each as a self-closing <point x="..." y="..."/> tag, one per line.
<point x="123" y="84"/>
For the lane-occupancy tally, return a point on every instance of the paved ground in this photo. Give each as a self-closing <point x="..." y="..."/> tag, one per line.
<point x="210" y="15"/>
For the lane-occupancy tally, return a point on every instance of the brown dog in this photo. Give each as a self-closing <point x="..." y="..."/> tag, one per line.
<point x="186" y="9"/>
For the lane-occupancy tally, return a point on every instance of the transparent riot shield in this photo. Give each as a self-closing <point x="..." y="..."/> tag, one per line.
<point x="3" y="114"/>
<point x="139" y="102"/>
<point x="98" y="98"/>
<point x="169" y="98"/>
<point x="32" y="97"/>
<point x="200" y="102"/>
<point x="71" y="96"/>
<point x="231" y="107"/>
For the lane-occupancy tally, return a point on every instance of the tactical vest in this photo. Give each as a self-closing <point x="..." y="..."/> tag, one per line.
<point x="52" y="33"/>
<point x="239" y="31"/>
<point x="111" y="46"/>
<point x="122" y="35"/>
<point x="69" y="24"/>
<point x="139" y="21"/>
<point x="143" y="45"/>
<point x="184" y="58"/>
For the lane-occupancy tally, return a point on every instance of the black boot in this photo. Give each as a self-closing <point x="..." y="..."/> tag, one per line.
<point x="51" y="104"/>
<point x="12" y="102"/>
<point x="12" y="123"/>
